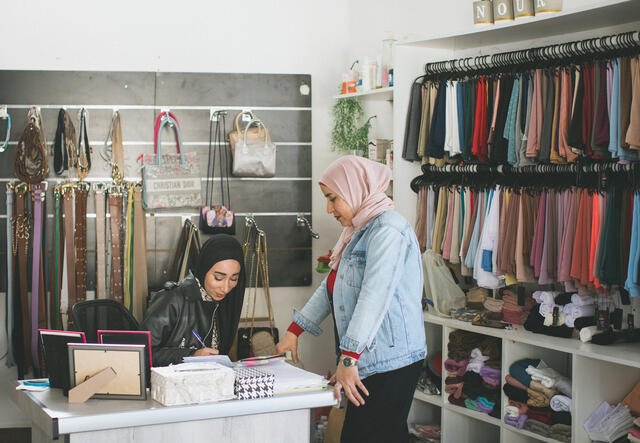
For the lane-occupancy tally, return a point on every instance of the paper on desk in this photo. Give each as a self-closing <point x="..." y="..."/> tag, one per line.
<point x="289" y="379"/>
<point x="220" y="359"/>
<point x="23" y="387"/>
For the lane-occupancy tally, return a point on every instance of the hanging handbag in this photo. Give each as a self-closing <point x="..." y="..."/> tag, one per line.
<point x="256" y="336"/>
<point x="167" y="184"/>
<point x="186" y="253"/>
<point x="255" y="158"/>
<point x="255" y="134"/>
<point x="217" y="219"/>
<point x="30" y="162"/>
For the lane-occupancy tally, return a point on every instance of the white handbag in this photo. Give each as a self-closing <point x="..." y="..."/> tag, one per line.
<point x="440" y="289"/>
<point x="255" y="158"/>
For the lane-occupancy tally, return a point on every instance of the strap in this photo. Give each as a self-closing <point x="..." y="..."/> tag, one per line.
<point x="5" y="115"/>
<point x="139" y="287"/>
<point x="216" y="148"/>
<point x="128" y="245"/>
<point x="64" y="148"/>
<point x="21" y="241"/>
<point x="30" y="162"/>
<point x="179" y="255"/>
<point x="56" y="259"/>
<point x="84" y="150"/>
<point x="115" y="211"/>
<point x="168" y="120"/>
<point x="114" y="154"/>
<point x="185" y="257"/>
<point x="100" y="241"/>
<point x="9" y="361"/>
<point x="236" y="120"/>
<point x="256" y="122"/>
<point x="82" y="192"/>
<point x="70" y="258"/>
<point x="164" y="116"/>
<point x="38" y="198"/>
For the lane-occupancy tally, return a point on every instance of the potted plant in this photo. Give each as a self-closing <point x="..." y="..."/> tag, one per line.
<point x="346" y="135"/>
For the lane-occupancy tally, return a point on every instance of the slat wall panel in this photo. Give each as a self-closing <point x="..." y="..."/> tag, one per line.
<point x="140" y="96"/>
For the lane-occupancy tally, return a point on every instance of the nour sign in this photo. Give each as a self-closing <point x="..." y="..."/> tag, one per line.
<point x="487" y="11"/>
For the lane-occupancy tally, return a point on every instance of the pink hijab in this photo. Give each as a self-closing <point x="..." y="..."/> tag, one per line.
<point x="361" y="183"/>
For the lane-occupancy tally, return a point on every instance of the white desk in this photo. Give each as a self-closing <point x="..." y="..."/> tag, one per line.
<point x="284" y="418"/>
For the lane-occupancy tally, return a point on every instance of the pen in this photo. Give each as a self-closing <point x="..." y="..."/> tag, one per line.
<point x="199" y="338"/>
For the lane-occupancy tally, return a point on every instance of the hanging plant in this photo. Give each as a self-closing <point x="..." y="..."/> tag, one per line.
<point x="346" y="136"/>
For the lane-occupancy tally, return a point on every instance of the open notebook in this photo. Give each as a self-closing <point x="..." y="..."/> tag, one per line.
<point x="290" y="380"/>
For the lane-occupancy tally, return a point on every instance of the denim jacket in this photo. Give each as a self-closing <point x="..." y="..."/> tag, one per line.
<point x="376" y="297"/>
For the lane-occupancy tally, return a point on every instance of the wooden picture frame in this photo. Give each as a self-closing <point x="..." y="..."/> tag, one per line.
<point x="128" y="362"/>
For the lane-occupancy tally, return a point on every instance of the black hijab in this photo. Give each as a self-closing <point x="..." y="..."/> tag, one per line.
<point x="218" y="248"/>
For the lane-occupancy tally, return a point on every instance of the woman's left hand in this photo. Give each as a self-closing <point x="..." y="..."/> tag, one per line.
<point x="349" y="380"/>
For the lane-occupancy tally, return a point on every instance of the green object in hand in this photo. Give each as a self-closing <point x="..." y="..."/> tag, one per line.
<point x="323" y="268"/>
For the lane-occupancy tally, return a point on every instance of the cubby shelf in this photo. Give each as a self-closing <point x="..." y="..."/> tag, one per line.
<point x="530" y="434"/>
<point x="433" y="399"/>
<point x="473" y="414"/>
<point x="374" y="94"/>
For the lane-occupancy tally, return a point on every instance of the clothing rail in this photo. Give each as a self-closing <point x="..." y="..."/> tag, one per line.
<point x="563" y="54"/>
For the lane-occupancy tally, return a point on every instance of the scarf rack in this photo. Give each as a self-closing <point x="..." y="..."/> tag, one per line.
<point x="513" y="62"/>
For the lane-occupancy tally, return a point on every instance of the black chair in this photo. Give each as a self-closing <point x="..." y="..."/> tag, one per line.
<point x="91" y="315"/>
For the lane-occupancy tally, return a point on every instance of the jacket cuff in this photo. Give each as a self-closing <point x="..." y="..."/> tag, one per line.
<point x="351" y="345"/>
<point x="295" y="328"/>
<point x="306" y="324"/>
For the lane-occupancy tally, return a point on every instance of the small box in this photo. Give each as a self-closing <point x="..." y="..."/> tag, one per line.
<point x="190" y="383"/>
<point x="253" y="383"/>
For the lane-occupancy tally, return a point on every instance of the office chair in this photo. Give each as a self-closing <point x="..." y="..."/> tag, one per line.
<point x="91" y="315"/>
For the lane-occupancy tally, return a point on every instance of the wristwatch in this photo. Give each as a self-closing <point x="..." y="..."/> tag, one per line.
<point x="348" y="362"/>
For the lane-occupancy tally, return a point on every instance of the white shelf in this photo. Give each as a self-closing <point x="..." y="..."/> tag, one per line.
<point x="375" y="94"/>
<point x="481" y="416"/>
<point x="579" y="19"/>
<point x="625" y="354"/>
<point x="529" y="434"/>
<point x="432" y="399"/>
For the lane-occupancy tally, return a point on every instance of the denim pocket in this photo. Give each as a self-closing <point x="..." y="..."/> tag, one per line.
<point x="387" y="331"/>
<point x="354" y="269"/>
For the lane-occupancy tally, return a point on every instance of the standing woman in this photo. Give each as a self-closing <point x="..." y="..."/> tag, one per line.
<point x="209" y="302"/>
<point x="374" y="293"/>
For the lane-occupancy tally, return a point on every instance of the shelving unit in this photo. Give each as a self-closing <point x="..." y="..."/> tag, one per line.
<point x="374" y="94"/>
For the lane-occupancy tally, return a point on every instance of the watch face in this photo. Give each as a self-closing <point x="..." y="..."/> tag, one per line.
<point x="348" y="362"/>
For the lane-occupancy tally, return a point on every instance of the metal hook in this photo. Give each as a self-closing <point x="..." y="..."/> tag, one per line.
<point x="302" y="221"/>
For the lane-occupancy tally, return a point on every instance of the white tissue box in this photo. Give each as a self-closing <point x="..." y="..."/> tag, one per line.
<point x="189" y="383"/>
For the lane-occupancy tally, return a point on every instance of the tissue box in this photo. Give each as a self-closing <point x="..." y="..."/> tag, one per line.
<point x="253" y="383"/>
<point x="189" y="383"/>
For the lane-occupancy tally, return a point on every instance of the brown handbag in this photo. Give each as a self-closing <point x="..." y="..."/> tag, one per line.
<point x="254" y="133"/>
<point x="30" y="162"/>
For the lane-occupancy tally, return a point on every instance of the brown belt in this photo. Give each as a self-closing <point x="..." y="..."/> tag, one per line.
<point x="82" y="190"/>
<point x="67" y="193"/>
<point x="100" y="241"/>
<point x="21" y="229"/>
<point x="57" y="258"/>
<point x="140" y="287"/>
<point x="115" y="211"/>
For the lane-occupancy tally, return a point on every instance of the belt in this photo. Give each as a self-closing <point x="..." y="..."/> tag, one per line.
<point x="39" y="194"/>
<point x="128" y="247"/>
<point x="98" y="189"/>
<point x="69" y="296"/>
<point x="9" y="361"/>
<point x="115" y="211"/>
<point x="21" y="246"/>
<point x="80" y="238"/>
<point x="139" y="287"/>
<point x="84" y="149"/>
<point x="64" y="149"/>
<point x="56" y="261"/>
<point x="30" y="161"/>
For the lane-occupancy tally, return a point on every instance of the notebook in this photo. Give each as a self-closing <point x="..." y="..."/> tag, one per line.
<point x="56" y="357"/>
<point x="114" y="337"/>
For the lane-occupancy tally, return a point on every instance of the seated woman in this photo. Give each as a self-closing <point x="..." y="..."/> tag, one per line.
<point x="208" y="303"/>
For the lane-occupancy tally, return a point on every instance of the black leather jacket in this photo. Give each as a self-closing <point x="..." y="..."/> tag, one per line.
<point x="172" y="315"/>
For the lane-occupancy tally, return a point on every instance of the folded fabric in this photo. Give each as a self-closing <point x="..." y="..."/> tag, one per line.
<point x="561" y="432"/>
<point x="454" y="389"/>
<point x="486" y="371"/>
<point x="510" y="379"/>
<point x="484" y="409"/>
<point x="560" y="402"/>
<point x="537" y="427"/>
<point x="515" y="394"/>
<point x="491" y="347"/>
<point x="537" y="399"/>
<point x="635" y="432"/>
<point x="563" y="299"/>
<point x="517" y="422"/>
<point x="471" y="404"/>
<point x="484" y="401"/>
<point x="607" y="423"/>
<point x="490" y="383"/>
<point x="461" y="343"/>
<point x="561" y="417"/>
<point x="457" y="367"/>
<point x="584" y="322"/>
<point x="518" y="370"/>
<point x="545" y="296"/>
<point x="494" y="363"/>
<point x="512" y="411"/>
<point x="522" y="407"/>
<point x="539" y="387"/>
<point x="557" y="320"/>
<point x="541" y="414"/>
<point x="493" y="305"/>
<point x="472" y="380"/>
<point x="573" y="312"/>
<point x="586" y="334"/>
<point x="544" y="374"/>
<point x="564" y="386"/>
<point x="453" y="380"/>
<point x="476" y="362"/>
<point x="474" y="392"/>
<point x="581" y="300"/>
<point x="457" y="401"/>
<point x="535" y="323"/>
